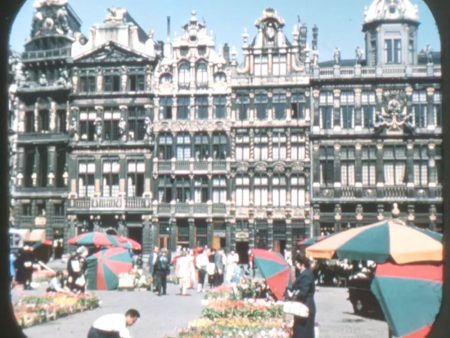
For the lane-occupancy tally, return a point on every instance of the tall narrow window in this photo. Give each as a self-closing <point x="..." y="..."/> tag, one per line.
<point x="86" y="178"/>
<point x="165" y="184"/>
<point x="165" y="108"/>
<point x="261" y="106"/>
<point x="60" y="165"/>
<point x="298" y="106"/>
<point x="136" y="125"/>
<point x="183" y="107"/>
<point x="201" y="146"/>
<point x="242" y="190"/>
<point x="278" y="190"/>
<point x="29" y="122"/>
<point x="87" y="84"/>
<point x="261" y="188"/>
<point x="242" y="102"/>
<point x="111" y="82"/>
<point x="201" y="75"/>
<point x="219" y="189"/>
<point x="347" y="109"/>
<point x="279" y="64"/>
<point x="297" y="190"/>
<point x="220" y="106"/>
<point x="28" y="166"/>
<point x="111" y="129"/>
<point x="261" y="142"/>
<point x="242" y="145"/>
<point x="368" y="109"/>
<point x="279" y="144"/>
<point x="326" y="165"/>
<point x="184" y="78"/>
<point x="183" y="188"/>
<point x="437" y="109"/>
<point x="393" y="51"/>
<point x="419" y="101"/>
<point x="347" y="166"/>
<point x="326" y="110"/>
<point x="394" y="158"/>
<point x="220" y="145"/>
<point x="111" y="168"/>
<point x="201" y="107"/>
<point x="183" y="147"/>
<point x="297" y="145"/>
<point x="279" y="105"/>
<point x="201" y="190"/>
<point x="261" y="65"/>
<point x="136" y="82"/>
<point x="44" y="120"/>
<point x="369" y="162"/>
<point x="61" y="121"/>
<point x="421" y="165"/>
<point x="165" y="147"/>
<point x="135" y="181"/>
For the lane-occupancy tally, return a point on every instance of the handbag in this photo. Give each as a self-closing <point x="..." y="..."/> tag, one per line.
<point x="296" y="308"/>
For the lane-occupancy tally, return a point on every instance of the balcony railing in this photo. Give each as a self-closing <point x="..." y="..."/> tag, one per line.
<point x="210" y="165"/>
<point x="109" y="203"/>
<point x="190" y="209"/>
<point x="46" y="54"/>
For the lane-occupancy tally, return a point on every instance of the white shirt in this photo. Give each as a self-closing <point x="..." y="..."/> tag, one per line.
<point x="114" y="322"/>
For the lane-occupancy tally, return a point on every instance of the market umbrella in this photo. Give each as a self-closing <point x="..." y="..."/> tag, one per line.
<point x="275" y="270"/>
<point x="128" y="243"/>
<point x="96" y="239"/>
<point x="387" y="240"/>
<point x="410" y="296"/>
<point x="306" y="242"/>
<point x="104" y="267"/>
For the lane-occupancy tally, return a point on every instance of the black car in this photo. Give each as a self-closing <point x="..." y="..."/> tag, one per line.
<point x="361" y="296"/>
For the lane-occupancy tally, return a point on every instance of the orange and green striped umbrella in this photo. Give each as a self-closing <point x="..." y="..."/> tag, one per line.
<point x="380" y="242"/>
<point x="410" y="296"/>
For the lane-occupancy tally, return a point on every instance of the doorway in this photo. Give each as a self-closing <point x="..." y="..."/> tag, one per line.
<point x="242" y="250"/>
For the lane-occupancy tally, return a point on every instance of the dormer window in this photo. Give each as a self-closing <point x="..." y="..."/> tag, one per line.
<point x="393" y="51"/>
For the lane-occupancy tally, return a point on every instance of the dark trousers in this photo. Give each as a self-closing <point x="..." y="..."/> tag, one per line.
<point x="95" y="333"/>
<point x="161" y="282"/>
<point x="201" y="276"/>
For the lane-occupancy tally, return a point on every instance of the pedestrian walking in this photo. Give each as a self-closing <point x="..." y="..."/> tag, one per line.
<point x="162" y="269"/>
<point x="114" y="325"/>
<point x="24" y="267"/>
<point x="183" y="272"/>
<point x="151" y="267"/>
<point x="219" y="261"/>
<point x="201" y="264"/>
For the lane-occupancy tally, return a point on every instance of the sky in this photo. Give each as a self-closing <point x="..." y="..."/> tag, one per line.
<point x="339" y="22"/>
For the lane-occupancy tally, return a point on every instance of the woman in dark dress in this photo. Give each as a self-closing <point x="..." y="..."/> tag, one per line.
<point x="303" y="291"/>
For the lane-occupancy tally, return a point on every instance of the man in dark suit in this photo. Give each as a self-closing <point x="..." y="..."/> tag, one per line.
<point x="151" y="267"/>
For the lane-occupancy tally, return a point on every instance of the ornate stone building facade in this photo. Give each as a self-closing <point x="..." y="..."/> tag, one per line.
<point x="176" y="142"/>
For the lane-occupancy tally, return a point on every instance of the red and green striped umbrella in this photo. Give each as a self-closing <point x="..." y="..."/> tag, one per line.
<point x="380" y="242"/>
<point x="275" y="270"/>
<point x="410" y="296"/>
<point x="128" y="243"/>
<point x="96" y="239"/>
<point x="104" y="267"/>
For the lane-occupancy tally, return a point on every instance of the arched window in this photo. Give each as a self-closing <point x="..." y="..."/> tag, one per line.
<point x="184" y="75"/>
<point x="201" y="75"/>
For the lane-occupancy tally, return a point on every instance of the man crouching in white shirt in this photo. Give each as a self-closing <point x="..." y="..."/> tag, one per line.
<point x="114" y="325"/>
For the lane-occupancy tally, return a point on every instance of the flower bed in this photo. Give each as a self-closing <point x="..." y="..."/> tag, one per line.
<point x="235" y="312"/>
<point x="33" y="310"/>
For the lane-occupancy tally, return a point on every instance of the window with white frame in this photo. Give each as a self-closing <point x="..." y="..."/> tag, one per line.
<point x="201" y="107"/>
<point x="135" y="179"/>
<point x="165" y="146"/>
<point x="184" y="75"/>
<point x="242" y="190"/>
<point x="297" y="146"/>
<point x="279" y="106"/>
<point x="261" y="65"/>
<point x="183" y="147"/>
<point x="261" y="105"/>
<point x="165" y="185"/>
<point x="201" y="189"/>
<point x="183" y="188"/>
<point x="279" y="64"/>
<point x="201" y="75"/>
<point x="242" y="146"/>
<point x="368" y="104"/>
<point x="393" y="51"/>
<point x="368" y="162"/>
<point x="326" y="157"/>
<point x="394" y="158"/>
<point x="201" y="146"/>
<point x="220" y="145"/>
<point x="261" y="188"/>
<point x="86" y="178"/>
<point x="110" y="172"/>
<point x="219" y="189"/>
<point x="183" y="107"/>
<point x="419" y="103"/>
<point x="437" y="109"/>
<point x="261" y="144"/>
<point x="220" y="106"/>
<point x="347" y="165"/>
<point x="421" y="165"/>
<point x="347" y="109"/>
<point x="136" y="125"/>
<point x="297" y="190"/>
<point x="298" y="106"/>
<point x="242" y="103"/>
<point x="165" y="107"/>
<point x="279" y="187"/>
<point x="279" y="144"/>
<point x="326" y="110"/>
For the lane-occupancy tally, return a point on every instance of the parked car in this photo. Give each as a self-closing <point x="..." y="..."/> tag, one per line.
<point x="361" y="296"/>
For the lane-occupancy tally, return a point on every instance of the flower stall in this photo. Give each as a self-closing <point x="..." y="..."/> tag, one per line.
<point x="33" y="310"/>
<point x="237" y="311"/>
